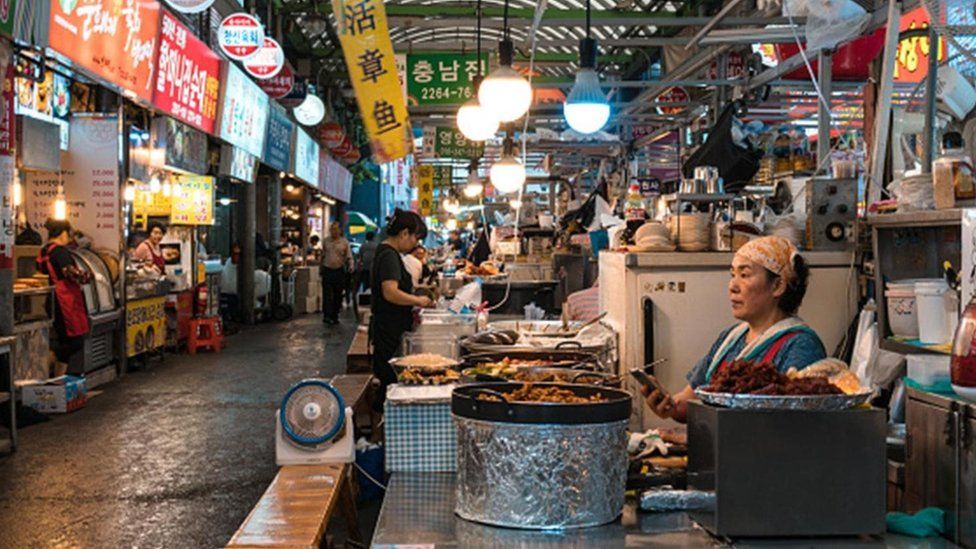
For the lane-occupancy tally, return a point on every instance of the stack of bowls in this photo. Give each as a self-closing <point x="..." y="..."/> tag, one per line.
<point x="653" y="236"/>
<point x="691" y="231"/>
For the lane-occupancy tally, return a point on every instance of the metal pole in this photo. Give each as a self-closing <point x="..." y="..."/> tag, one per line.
<point x="712" y="23"/>
<point x="245" y="273"/>
<point x="931" y="90"/>
<point x="882" y="121"/>
<point x="824" y="78"/>
<point x="274" y="215"/>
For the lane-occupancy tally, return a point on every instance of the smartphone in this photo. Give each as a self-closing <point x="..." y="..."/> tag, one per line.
<point x="647" y="380"/>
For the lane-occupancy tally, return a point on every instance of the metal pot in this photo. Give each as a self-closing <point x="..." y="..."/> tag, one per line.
<point x="513" y="467"/>
<point x="693" y="186"/>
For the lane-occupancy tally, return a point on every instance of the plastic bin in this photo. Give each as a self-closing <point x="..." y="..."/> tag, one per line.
<point x="928" y="370"/>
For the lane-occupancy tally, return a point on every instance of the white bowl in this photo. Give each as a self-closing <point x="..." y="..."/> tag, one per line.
<point x="966" y="393"/>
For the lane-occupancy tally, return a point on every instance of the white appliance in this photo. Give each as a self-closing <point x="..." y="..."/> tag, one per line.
<point x="313" y="425"/>
<point x="674" y="305"/>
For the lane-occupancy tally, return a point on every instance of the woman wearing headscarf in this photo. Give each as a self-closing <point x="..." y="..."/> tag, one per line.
<point x="767" y="285"/>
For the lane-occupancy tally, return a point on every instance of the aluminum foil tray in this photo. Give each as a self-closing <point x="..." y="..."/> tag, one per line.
<point x="777" y="402"/>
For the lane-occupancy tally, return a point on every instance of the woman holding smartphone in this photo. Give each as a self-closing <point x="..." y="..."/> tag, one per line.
<point x="767" y="285"/>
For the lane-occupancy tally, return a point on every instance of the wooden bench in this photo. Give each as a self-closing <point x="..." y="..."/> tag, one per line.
<point x="296" y="508"/>
<point x="358" y="358"/>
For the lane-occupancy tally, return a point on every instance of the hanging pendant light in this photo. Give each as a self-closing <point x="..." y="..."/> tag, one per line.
<point x="474" y="121"/>
<point x="129" y="194"/>
<point x="474" y="186"/>
<point x="505" y="93"/>
<point x="586" y="108"/>
<point x="507" y="174"/>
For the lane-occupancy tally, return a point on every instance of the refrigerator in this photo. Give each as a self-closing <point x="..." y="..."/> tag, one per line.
<point x="674" y="305"/>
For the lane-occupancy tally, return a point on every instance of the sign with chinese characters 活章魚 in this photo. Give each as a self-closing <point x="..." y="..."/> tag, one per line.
<point x="187" y="76"/>
<point x="193" y="201"/>
<point x="112" y="39"/>
<point x="365" y="38"/>
<point x="445" y="142"/>
<point x="442" y="78"/>
<point x="243" y="112"/>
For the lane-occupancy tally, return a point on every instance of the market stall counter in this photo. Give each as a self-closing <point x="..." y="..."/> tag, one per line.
<point x="419" y="511"/>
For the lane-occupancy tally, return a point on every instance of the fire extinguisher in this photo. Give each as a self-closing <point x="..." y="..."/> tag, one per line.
<point x="201" y="308"/>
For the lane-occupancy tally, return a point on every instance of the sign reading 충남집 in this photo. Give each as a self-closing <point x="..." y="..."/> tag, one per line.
<point x="442" y="78"/>
<point x="113" y="39"/>
<point x="244" y="111"/>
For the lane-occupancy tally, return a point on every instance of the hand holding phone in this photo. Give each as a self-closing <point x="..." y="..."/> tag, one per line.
<point x="656" y="395"/>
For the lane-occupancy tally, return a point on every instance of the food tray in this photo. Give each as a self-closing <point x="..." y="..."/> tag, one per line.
<point x="784" y="402"/>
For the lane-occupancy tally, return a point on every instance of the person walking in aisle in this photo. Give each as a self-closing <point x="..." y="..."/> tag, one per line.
<point x="336" y="263"/>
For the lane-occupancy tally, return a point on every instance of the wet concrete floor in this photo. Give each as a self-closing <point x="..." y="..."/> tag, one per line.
<point x="172" y="456"/>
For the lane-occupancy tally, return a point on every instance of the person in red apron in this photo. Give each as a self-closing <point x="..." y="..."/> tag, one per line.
<point x="767" y="285"/>
<point x="70" y="313"/>
<point x="148" y="251"/>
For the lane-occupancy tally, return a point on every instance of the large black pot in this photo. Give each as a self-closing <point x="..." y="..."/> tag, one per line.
<point x="465" y="403"/>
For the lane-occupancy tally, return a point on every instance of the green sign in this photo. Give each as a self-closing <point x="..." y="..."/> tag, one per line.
<point x="8" y="10"/>
<point x="442" y="78"/>
<point x="444" y="142"/>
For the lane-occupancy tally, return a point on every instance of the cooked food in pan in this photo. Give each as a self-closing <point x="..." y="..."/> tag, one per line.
<point x="418" y="376"/>
<point x="425" y="360"/>
<point x="532" y="393"/>
<point x="748" y="377"/>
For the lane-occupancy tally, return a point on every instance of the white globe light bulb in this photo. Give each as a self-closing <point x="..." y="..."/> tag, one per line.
<point x="475" y="122"/>
<point x="507" y="175"/>
<point x="505" y="94"/>
<point x="586" y="108"/>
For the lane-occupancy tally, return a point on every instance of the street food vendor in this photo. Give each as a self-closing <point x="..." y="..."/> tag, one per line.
<point x="70" y="313"/>
<point x="392" y="293"/>
<point x="769" y="279"/>
<point x="148" y="251"/>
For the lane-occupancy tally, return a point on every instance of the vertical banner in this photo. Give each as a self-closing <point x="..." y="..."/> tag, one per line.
<point x="91" y="179"/>
<point x="425" y="189"/>
<point x="366" y="45"/>
<point x="7" y="174"/>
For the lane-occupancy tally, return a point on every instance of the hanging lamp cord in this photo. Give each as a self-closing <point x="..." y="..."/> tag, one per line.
<point x="505" y="18"/>
<point x="587" y="18"/>
<point x="479" y="38"/>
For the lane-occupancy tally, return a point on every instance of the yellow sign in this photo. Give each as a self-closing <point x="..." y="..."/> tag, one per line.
<point x="149" y="204"/>
<point x="366" y="45"/>
<point x="193" y="201"/>
<point x="145" y="325"/>
<point x="425" y="189"/>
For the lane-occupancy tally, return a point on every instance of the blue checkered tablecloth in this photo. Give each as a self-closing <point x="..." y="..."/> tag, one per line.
<point x="420" y="437"/>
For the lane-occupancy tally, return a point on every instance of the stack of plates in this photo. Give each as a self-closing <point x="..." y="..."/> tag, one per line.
<point x="692" y="231"/>
<point x="652" y="236"/>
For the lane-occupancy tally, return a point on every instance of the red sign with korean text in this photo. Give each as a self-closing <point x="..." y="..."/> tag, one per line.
<point x="113" y="39"/>
<point x="267" y="62"/>
<point x="279" y="85"/>
<point x="912" y="59"/>
<point x="676" y="94"/>
<point x="187" y="76"/>
<point x="7" y="127"/>
<point x="240" y="36"/>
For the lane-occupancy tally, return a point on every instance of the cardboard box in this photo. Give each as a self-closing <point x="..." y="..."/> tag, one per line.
<point x="58" y="395"/>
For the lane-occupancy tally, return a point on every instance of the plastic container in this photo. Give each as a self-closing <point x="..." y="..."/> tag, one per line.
<point x="902" y="311"/>
<point x="928" y="370"/>
<point x="933" y="317"/>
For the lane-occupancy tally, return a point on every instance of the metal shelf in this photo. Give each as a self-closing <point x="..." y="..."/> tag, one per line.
<point x="895" y="346"/>
<point x="921" y="218"/>
<point x="698" y="197"/>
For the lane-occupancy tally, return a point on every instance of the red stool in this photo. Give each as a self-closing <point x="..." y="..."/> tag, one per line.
<point x="205" y="332"/>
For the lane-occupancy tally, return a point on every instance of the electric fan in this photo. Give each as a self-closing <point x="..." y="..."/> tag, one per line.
<point x="313" y="426"/>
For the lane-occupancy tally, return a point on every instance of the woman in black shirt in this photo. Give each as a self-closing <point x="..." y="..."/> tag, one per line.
<point x="392" y="299"/>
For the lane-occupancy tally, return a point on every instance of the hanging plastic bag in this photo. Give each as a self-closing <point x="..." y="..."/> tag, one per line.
<point x="829" y="22"/>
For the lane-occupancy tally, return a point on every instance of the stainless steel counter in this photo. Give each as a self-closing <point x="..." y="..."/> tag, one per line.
<point x="720" y="259"/>
<point x="419" y="512"/>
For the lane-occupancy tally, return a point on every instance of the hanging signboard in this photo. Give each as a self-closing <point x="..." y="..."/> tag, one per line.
<point x="912" y="58"/>
<point x="277" y="148"/>
<point x="240" y="36"/>
<point x="8" y="12"/>
<point x="279" y="85"/>
<point x="178" y="147"/>
<point x="445" y="142"/>
<point x="334" y="179"/>
<point x="111" y="39"/>
<point x="190" y="6"/>
<point x="237" y="164"/>
<point x="150" y="204"/>
<point x="306" y="159"/>
<point x="442" y="78"/>
<point x="243" y="112"/>
<point x="299" y="90"/>
<point x="187" y="76"/>
<point x="676" y="94"/>
<point x="145" y="325"/>
<point x="7" y="120"/>
<point x="735" y="67"/>
<point x="365" y="38"/>
<point x="425" y="189"/>
<point x="268" y="60"/>
<point x="193" y="200"/>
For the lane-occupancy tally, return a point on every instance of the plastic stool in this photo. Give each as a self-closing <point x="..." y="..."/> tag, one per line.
<point x="205" y="332"/>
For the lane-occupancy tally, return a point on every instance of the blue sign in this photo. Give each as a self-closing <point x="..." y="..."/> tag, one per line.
<point x="277" y="145"/>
